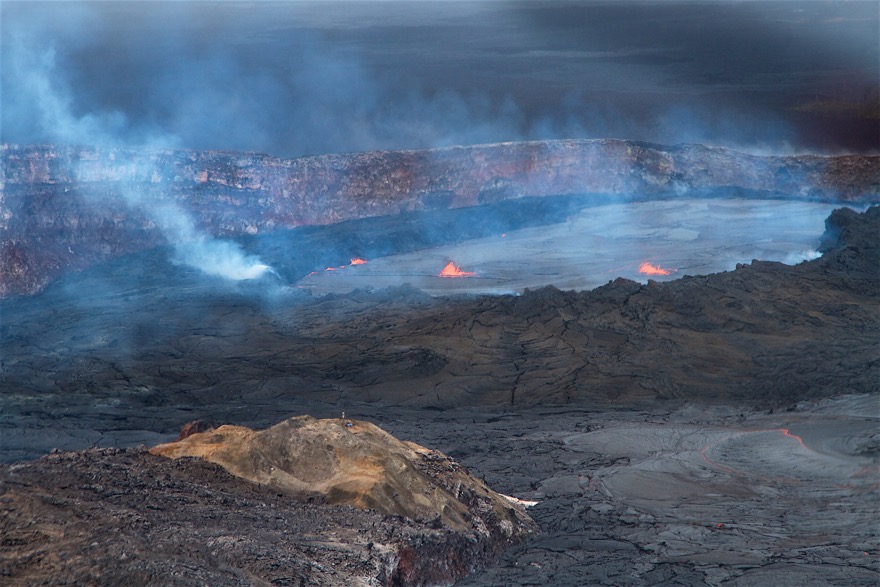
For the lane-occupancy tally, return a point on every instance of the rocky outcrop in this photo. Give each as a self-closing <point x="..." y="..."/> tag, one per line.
<point x="344" y="461"/>
<point x="130" y="517"/>
<point x="67" y="207"/>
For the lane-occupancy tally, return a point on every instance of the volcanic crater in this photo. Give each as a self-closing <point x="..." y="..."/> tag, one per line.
<point x="669" y="352"/>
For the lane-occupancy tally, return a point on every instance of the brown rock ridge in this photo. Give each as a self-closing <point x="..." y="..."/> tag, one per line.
<point x="116" y="517"/>
<point x="126" y="517"/>
<point x="357" y="463"/>
<point x="64" y="207"/>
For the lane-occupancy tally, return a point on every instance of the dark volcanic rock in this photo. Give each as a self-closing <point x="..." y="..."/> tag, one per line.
<point x="179" y="348"/>
<point x="625" y="498"/>
<point x="70" y="207"/>
<point x="115" y="517"/>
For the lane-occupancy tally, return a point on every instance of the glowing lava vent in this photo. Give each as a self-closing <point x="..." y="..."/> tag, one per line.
<point x="451" y="270"/>
<point x="648" y="269"/>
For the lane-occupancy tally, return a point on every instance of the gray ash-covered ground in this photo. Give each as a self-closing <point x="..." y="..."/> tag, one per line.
<point x="677" y="494"/>
<point x="656" y="494"/>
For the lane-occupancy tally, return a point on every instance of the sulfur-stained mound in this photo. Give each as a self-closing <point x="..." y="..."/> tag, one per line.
<point x="114" y="517"/>
<point x="351" y="462"/>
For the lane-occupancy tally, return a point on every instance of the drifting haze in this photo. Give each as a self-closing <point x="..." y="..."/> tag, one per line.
<point x="297" y="78"/>
<point x="53" y="109"/>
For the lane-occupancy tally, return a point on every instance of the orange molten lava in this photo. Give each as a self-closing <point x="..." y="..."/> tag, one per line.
<point x="358" y="261"/>
<point x="451" y="270"/>
<point x="648" y="269"/>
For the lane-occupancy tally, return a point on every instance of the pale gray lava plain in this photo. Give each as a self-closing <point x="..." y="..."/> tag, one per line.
<point x="711" y="430"/>
<point x="594" y="245"/>
<point x="688" y="496"/>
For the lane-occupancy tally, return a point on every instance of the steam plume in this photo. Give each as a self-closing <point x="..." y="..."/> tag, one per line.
<point x="39" y="79"/>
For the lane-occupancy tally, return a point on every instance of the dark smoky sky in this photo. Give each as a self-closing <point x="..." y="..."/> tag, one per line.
<point x="308" y="77"/>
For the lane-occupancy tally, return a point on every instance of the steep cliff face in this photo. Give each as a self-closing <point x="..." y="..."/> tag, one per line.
<point x="70" y="207"/>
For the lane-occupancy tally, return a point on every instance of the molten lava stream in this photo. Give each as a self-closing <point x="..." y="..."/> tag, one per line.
<point x="452" y="270"/>
<point x="648" y="269"/>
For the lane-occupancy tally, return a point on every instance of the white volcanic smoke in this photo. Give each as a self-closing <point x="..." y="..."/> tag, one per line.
<point x="38" y="78"/>
<point x="295" y="78"/>
<point x="212" y="256"/>
<point x="194" y="248"/>
<point x="800" y="257"/>
<point x="220" y="258"/>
